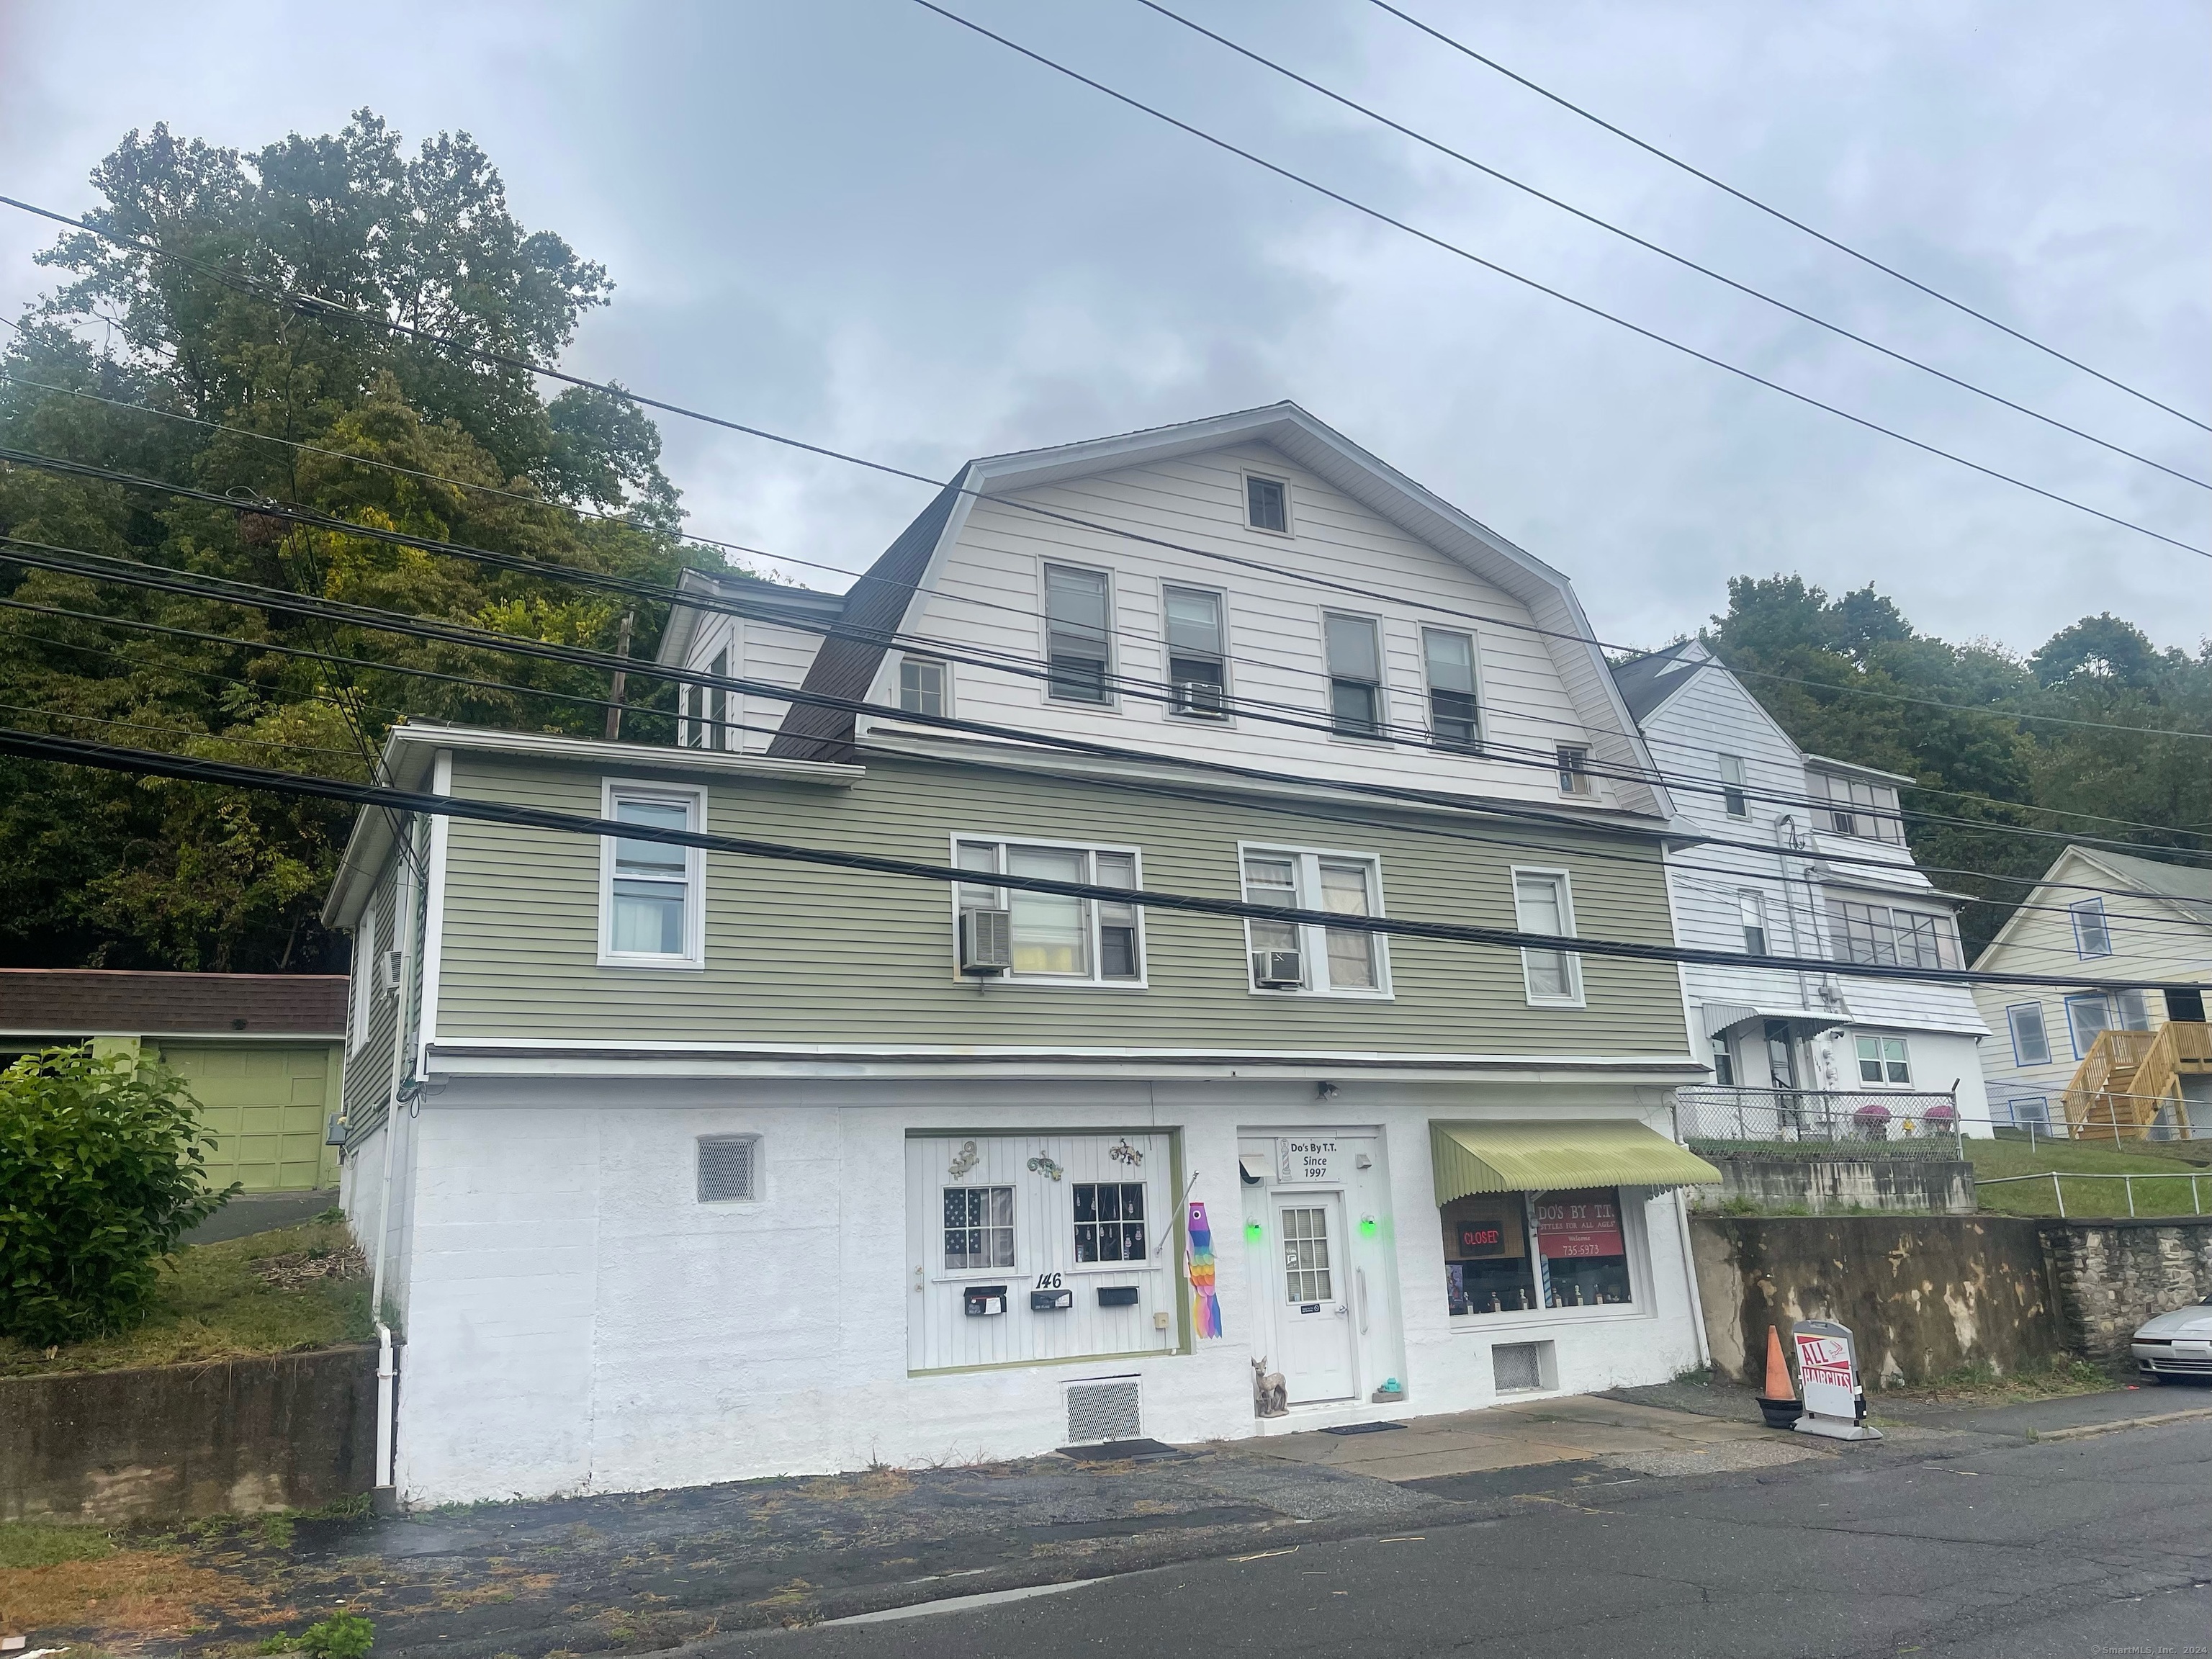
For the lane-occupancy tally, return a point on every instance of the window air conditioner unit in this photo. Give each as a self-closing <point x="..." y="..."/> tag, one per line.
<point x="1277" y="969"/>
<point x="391" y="963"/>
<point x="1206" y="698"/>
<point x="986" y="942"/>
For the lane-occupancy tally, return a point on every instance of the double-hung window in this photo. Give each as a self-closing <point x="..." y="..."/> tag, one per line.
<point x="1078" y="605"/>
<point x="367" y="971"/>
<point x="1197" y="653"/>
<point x="2030" y="1042"/>
<point x="1291" y="957"/>
<point x="1543" y="903"/>
<point x="1574" y="768"/>
<point x="2086" y="1016"/>
<point x="1884" y="1059"/>
<point x="2092" y="934"/>
<point x="1750" y="908"/>
<point x="1454" y="717"/>
<point x="1734" y="800"/>
<point x="1355" y="674"/>
<point x="695" y="717"/>
<point x="1059" y="938"/>
<point x="921" y="685"/>
<point x="651" y="892"/>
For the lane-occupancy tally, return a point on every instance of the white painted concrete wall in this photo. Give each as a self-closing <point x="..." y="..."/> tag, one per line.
<point x="579" y="1322"/>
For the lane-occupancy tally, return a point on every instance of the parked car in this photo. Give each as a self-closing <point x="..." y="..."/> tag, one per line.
<point x="2177" y="1343"/>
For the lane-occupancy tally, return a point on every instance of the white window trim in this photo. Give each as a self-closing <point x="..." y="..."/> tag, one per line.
<point x="760" y="1169"/>
<point x="1151" y="1264"/>
<point x="1740" y="787"/>
<point x="1588" y="791"/>
<point x="1384" y="724"/>
<point x="941" y="1274"/>
<point x="1883" y="1039"/>
<point x="898" y="691"/>
<point x="694" y="956"/>
<point x="1313" y="944"/>
<point x="1168" y="710"/>
<point x="1053" y="982"/>
<point x="1112" y="705"/>
<point x="1566" y="878"/>
<point x="1641" y="1285"/>
<point x="1244" y="477"/>
<point x="362" y="1016"/>
<point x="1428" y="691"/>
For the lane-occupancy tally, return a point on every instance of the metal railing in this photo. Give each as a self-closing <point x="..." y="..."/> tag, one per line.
<point x="1849" y="1123"/>
<point x="2059" y="1193"/>
<point x="2046" y="1118"/>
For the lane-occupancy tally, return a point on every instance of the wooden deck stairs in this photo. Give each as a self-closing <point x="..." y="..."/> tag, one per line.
<point x="2130" y="1086"/>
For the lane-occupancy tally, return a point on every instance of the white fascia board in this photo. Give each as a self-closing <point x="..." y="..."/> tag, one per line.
<point x="1382" y="489"/>
<point x="409" y="754"/>
<point x="925" y="743"/>
<point x="1852" y="768"/>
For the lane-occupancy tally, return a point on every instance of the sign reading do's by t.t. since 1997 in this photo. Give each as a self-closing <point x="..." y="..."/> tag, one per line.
<point x="1316" y="1162"/>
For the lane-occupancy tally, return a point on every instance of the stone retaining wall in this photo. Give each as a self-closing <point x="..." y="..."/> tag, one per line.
<point x="291" y="1432"/>
<point x="2111" y="1276"/>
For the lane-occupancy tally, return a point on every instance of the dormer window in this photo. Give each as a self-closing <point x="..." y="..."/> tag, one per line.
<point x="1267" y="504"/>
<point x="1574" y="768"/>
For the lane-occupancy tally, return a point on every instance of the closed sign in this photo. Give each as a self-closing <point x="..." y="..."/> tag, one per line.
<point x="1303" y="1162"/>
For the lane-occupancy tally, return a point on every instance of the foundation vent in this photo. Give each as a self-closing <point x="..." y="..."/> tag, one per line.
<point x="1104" y="1410"/>
<point x="1520" y="1367"/>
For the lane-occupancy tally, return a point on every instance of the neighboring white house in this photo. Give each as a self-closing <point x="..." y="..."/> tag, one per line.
<point x="2095" y="913"/>
<point x="1805" y="857"/>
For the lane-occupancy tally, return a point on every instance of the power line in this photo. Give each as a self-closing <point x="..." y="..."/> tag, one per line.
<point x="229" y="590"/>
<point x="1614" y="317"/>
<point x="1683" y="260"/>
<point x="315" y="306"/>
<point x="144" y="762"/>
<point x="175" y="732"/>
<point x="1777" y="213"/>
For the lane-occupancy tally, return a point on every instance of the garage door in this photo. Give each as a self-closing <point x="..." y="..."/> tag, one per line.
<point x="266" y="1105"/>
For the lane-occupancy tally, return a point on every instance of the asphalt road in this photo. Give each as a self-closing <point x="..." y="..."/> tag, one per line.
<point x="2094" y="1547"/>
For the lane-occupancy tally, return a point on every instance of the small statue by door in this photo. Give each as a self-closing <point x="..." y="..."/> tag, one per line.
<point x="1271" y="1395"/>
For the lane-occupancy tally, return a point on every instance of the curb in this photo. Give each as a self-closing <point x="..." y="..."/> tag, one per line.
<point x="2082" y="1431"/>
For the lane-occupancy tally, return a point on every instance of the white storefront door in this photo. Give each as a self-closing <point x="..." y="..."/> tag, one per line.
<point x="1314" y="1315"/>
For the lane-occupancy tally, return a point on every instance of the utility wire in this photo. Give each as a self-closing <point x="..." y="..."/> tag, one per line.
<point x="1777" y="213"/>
<point x="1585" y="306"/>
<point x="99" y="567"/>
<point x="315" y="305"/>
<point x="1682" y="260"/>
<point x="35" y="745"/>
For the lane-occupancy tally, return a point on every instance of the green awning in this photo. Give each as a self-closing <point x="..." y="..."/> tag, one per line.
<point x="1534" y="1157"/>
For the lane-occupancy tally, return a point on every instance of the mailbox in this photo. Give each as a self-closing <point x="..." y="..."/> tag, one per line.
<point x="1117" y="1295"/>
<point x="982" y="1301"/>
<point x="1051" y="1301"/>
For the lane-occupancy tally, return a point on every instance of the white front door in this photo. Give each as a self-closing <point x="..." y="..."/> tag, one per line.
<point x="1314" y="1315"/>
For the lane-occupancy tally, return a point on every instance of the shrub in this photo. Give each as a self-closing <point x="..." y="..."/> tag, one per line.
<point x="101" y="1171"/>
<point x="341" y="1636"/>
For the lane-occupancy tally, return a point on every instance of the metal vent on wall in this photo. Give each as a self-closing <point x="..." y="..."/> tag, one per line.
<point x="1103" y="1410"/>
<point x="728" y="1168"/>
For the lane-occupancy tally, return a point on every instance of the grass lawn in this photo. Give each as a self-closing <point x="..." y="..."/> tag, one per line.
<point x="2173" y="1162"/>
<point x="217" y="1302"/>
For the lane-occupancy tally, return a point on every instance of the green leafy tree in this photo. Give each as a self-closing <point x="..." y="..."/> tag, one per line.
<point x="101" y="1172"/>
<point x="106" y="870"/>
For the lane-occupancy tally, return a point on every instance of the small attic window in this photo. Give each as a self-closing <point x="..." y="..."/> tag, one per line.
<point x="1267" y="504"/>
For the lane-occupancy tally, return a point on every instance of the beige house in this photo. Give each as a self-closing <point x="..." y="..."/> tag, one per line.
<point x="262" y="1054"/>
<point x="2097" y="914"/>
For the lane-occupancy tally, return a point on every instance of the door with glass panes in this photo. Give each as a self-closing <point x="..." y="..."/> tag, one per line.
<point x="1313" y="1312"/>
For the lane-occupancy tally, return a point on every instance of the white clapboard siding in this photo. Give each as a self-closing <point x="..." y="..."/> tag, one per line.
<point x="758" y="650"/>
<point x="1274" y="625"/>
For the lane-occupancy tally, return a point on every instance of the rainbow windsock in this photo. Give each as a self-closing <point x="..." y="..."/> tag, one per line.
<point x="1206" y="1306"/>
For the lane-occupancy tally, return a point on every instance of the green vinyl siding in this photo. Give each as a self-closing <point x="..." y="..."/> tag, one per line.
<point x="805" y="954"/>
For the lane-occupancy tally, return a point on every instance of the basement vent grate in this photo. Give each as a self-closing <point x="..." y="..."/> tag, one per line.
<point x="1518" y="1367"/>
<point x="728" y="1168"/>
<point x="1106" y="1410"/>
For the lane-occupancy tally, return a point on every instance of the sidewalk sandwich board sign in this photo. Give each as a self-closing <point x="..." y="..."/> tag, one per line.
<point x="1828" y="1380"/>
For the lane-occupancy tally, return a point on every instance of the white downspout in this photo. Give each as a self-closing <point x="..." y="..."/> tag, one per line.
<point x="387" y="1371"/>
<point x="1690" y="1262"/>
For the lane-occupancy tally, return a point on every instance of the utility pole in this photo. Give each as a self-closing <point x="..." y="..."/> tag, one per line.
<point x="621" y="678"/>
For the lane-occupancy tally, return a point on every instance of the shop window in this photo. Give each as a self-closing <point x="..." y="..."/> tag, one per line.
<point x="979" y="1228"/>
<point x="1486" y="1261"/>
<point x="1514" y="1252"/>
<point x="1582" y="1247"/>
<point x="1109" y="1221"/>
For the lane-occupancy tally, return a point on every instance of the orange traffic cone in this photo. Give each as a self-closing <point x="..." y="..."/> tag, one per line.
<point x="1777" y="1403"/>
<point x="1779" y="1385"/>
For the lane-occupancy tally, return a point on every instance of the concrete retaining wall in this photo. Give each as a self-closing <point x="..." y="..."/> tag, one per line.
<point x="294" y="1431"/>
<point x="2110" y="1276"/>
<point x="1825" y="1185"/>
<point x="1923" y="1295"/>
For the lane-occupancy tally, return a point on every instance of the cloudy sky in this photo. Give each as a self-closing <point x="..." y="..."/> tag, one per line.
<point x="854" y="221"/>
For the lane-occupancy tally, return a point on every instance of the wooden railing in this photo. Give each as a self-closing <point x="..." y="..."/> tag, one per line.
<point x="2131" y="1079"/>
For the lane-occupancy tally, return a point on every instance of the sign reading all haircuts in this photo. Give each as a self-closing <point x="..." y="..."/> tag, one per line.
<point x="1300" y="1163"/>
<point x="1825" y="1371"/>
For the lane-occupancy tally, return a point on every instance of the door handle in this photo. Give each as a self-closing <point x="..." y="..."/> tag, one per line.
<point x="1359" y="1278"/>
